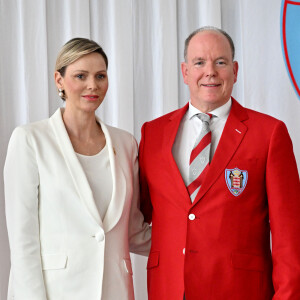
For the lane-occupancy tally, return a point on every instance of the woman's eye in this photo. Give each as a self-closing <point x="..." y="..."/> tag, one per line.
<point x="102" y="76"/>
<point x="80" y="76"/>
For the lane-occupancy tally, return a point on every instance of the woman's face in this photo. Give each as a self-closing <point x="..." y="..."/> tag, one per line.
<point x="85" y="83"/>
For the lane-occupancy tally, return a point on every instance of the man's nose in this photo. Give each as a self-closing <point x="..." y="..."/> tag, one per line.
<point x="210" y="70"/>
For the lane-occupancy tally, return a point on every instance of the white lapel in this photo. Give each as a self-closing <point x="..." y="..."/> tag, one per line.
<point x="79" y="178"/>
<point x="116" y="206"/>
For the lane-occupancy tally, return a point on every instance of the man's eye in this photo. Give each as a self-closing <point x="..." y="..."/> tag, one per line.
<point x="199" y="63"/>
<point x="221" y="62"/>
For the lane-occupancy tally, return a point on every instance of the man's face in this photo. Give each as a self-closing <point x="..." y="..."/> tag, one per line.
<point x="209" y="71"/>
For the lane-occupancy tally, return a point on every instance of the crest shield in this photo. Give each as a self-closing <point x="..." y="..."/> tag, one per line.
<point x="236" y="180"/>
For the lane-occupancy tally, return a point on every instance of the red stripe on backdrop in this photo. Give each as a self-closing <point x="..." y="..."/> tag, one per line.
<point x="285" y="45"/>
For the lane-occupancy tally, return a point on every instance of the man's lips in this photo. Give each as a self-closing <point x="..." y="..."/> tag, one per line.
<point x="91" y="97"/>
<point x="211" y="85"/>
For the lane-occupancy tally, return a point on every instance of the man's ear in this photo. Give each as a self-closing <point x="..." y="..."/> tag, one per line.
<point x="235" y="70"/>
<point x="184" y="71"/>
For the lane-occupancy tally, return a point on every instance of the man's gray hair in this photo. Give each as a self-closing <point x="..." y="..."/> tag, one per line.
<point x="208" y="28"/>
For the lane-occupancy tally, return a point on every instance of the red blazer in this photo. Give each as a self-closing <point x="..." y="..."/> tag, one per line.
<point x="218" y="248"/>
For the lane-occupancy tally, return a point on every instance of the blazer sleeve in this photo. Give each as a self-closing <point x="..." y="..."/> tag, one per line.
<point x="139" y="231"/>
<point x="283" y="191"/>
<point x="146" y="205"/>
<point x="21" y="185"/>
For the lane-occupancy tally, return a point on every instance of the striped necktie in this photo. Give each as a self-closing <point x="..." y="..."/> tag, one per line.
<point x="200" y="156"/>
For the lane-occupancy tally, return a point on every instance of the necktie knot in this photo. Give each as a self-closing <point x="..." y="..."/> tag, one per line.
<point x="204" y="117"/>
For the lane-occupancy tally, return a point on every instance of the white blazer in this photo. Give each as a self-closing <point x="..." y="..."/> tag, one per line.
<point x="60" y="247"/>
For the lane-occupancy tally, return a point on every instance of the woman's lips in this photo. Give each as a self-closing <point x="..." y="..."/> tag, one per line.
<point x="91" y="97"/>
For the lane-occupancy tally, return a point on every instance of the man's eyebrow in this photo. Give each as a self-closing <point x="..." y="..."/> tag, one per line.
<point x="197" y="59"/>
<point x="201" y="58"/>
<point x="222" y="57"/>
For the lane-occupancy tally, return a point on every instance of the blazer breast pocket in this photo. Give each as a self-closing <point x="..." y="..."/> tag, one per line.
<point x="54" y="261"/>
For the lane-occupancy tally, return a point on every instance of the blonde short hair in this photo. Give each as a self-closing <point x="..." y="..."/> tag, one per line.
<point x="75" y="49"/>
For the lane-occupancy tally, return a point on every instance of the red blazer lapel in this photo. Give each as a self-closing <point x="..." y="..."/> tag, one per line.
<point x="233" y="134"/>
<point x="170" y="133"/>
<point x="172" y="127"/>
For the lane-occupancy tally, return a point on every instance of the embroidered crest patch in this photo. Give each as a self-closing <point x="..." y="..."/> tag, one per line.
<point x="236" y="180"/>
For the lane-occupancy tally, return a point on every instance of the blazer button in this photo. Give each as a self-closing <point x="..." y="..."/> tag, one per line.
<point x="192" y="217"/>
<point x="99" y="237"/>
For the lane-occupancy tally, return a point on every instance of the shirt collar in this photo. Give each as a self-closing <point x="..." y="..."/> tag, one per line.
<point x="220" y="112"/>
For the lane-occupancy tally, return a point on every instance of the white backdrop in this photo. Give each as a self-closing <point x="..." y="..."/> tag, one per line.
<point x="144" y="43"/>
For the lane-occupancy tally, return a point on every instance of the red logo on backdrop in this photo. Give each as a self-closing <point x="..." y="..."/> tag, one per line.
<point x="290" y="39"/>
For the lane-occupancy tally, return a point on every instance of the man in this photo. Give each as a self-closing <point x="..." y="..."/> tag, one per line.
<point x="211" y="229"/>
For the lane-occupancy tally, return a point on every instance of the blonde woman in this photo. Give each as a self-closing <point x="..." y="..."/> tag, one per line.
<point x="71" y="189"/>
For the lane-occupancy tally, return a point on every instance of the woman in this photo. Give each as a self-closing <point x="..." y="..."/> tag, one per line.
<point x="71" y="189"/>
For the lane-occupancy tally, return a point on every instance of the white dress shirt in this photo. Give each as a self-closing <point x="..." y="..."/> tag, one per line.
<point x="188" y="131"/>
<point x="98" y="173"/>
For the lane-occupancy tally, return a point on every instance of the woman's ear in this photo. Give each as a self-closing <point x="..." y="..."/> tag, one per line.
<point x="58" y="79"/>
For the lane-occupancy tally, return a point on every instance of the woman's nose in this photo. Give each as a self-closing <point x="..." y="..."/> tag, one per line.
<point x="92" y="84"/>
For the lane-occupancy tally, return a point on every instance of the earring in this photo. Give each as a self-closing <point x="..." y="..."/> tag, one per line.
<point x="61" y="93"/>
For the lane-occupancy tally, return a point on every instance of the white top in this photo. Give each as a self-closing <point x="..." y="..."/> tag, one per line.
<point x="98" y="172"/>
<point x="188" y="131"/>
